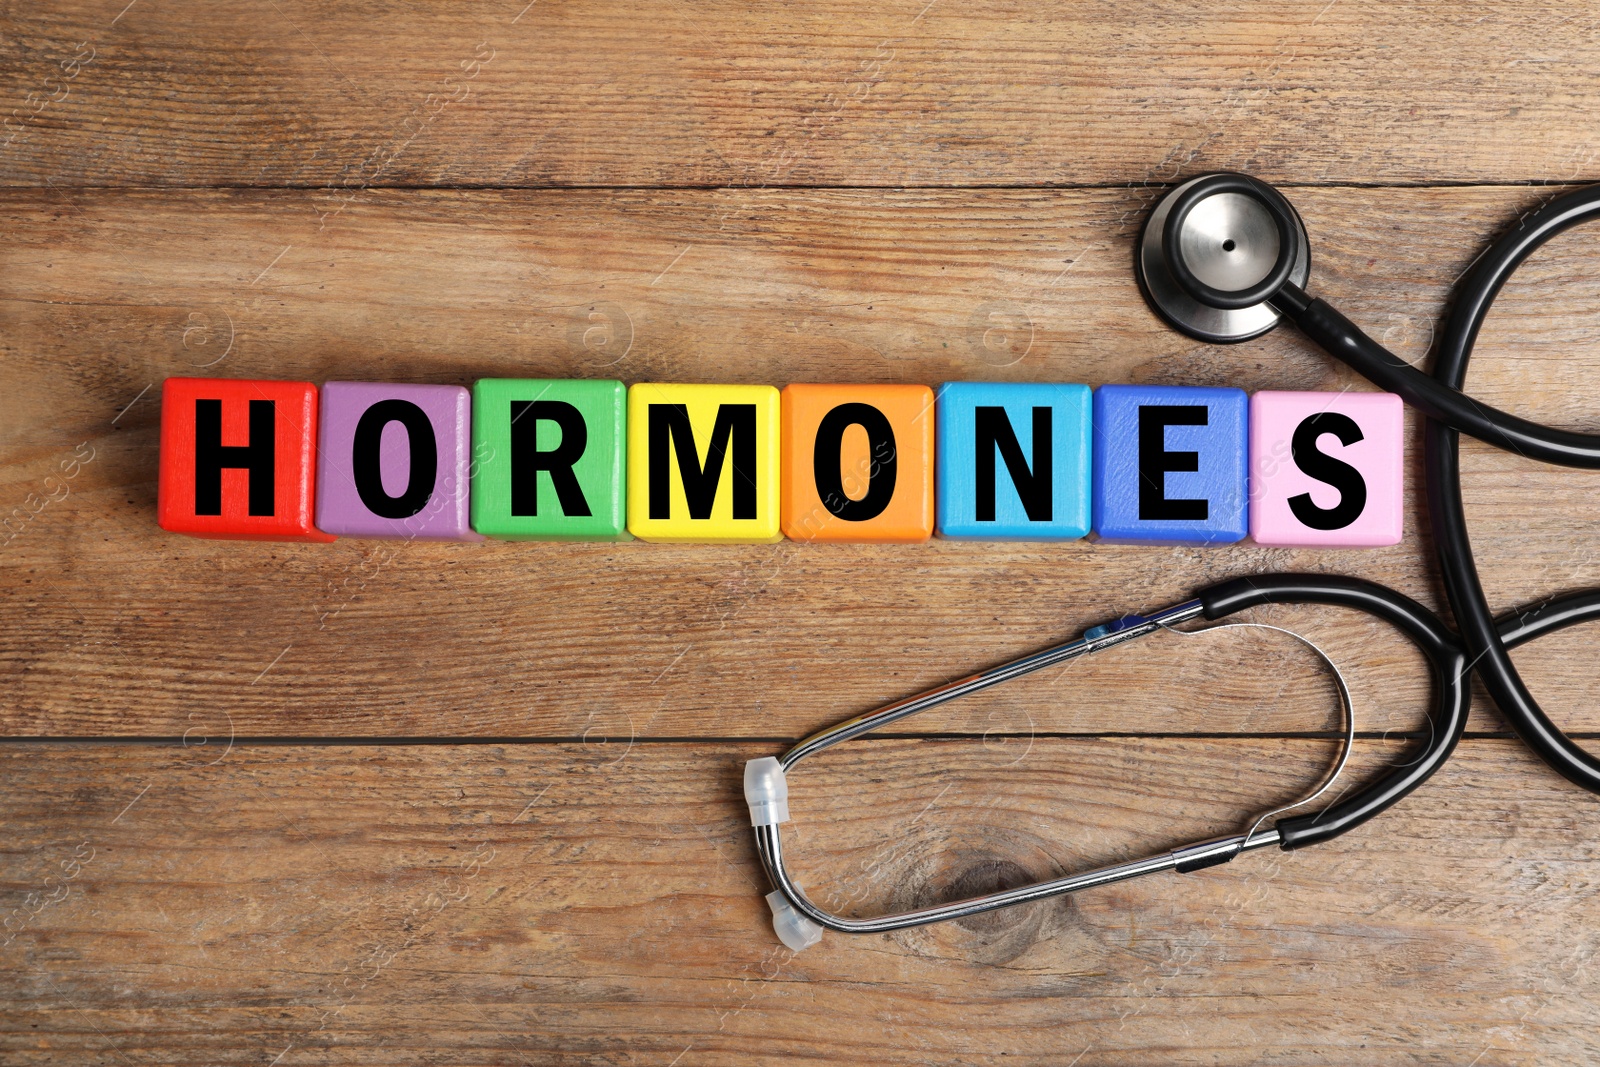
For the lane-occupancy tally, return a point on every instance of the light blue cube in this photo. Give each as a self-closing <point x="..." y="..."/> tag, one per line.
<point x="1171" y="464"/>
<point x="1013" y="461"/>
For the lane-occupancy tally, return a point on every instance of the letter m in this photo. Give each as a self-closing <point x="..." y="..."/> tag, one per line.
<point x="669" y="434"/>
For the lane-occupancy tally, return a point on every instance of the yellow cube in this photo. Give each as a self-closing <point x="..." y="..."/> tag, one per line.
<point x="703" y="463"/>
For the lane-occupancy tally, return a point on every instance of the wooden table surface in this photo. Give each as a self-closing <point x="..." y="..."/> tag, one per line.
<point x="392" y="803"/>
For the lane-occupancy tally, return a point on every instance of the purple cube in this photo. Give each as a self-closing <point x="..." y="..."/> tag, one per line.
<point x="394" y="461"/>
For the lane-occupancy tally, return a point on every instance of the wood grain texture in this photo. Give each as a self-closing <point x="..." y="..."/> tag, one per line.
<point x="561" y="905"/>
<point x="354" y="94"/>
<point x="108" y="293"/>
<point x="903" y="193"/>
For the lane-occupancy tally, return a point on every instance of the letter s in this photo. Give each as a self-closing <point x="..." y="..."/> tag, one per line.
<point x="1324" y="468"/>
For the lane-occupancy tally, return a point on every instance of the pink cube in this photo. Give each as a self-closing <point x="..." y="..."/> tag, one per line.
<point x="1326" y="469"/>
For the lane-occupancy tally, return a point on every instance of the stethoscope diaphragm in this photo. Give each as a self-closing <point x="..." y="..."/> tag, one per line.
<point x="1221" y="237"/>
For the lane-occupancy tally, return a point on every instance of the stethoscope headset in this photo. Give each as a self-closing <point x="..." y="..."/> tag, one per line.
<point x="1224" y="258"/>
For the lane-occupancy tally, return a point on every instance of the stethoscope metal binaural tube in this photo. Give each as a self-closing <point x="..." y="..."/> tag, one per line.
<point x="1166" y="277"/>
<point x="800" y="921"/>
<point x="769" y="845"/>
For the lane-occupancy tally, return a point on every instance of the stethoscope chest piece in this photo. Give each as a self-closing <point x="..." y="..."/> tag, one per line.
<point x="1231" y="238"/>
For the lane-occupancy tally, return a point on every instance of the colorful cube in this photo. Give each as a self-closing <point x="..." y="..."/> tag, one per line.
<point x="858" y="463"/>
<point x="703" y="463"/>
<point x="1014" y="461"/>
<point x="1170" y="464"/>
<point x="1327" y="469"/>
<point x="395" y="461"/>
<point x="238" y="459"/>
<point x="551" y="460"/>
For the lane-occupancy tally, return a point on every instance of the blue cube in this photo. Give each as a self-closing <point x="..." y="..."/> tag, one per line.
<point x="1013" y="461"/>
<point x="1171" y="464"/>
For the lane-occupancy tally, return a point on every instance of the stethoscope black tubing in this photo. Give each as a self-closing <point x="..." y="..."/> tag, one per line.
<point x="1446" y="660"/>
<point x="1440" y="396"/>
<point x="1520" y="627"/>
<point x="1486" y="640"/>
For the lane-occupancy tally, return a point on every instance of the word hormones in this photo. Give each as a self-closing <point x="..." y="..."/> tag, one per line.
<point x="545" y="460"/>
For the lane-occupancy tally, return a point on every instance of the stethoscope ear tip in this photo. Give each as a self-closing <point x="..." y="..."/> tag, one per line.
<point x="797" y="932"/>
<point x="766" y="791"/>
<point x="1214" y="250"/>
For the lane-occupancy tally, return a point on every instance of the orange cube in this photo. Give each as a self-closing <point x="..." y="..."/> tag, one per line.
<point x="858" y="463"/>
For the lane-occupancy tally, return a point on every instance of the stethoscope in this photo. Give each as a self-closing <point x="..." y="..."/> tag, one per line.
<point x="1224" y="258"/>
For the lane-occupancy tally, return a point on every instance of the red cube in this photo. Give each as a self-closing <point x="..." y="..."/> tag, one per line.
<point x="239" y="459"/>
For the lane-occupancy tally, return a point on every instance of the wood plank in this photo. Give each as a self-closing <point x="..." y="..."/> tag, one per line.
<point x="117" y="628"/>
<point x="348" y="95"/>
<point x="559" y="905"/>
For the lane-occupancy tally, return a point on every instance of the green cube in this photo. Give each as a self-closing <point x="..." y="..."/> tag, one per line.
<point x="550" y="460"/>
